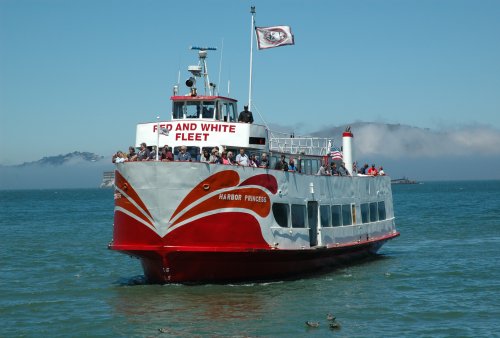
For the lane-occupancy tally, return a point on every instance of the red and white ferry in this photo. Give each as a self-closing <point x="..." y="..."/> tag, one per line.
<point x="191" y="222"/>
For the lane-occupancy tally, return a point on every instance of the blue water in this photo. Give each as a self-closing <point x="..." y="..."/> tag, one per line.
<point x="440" y="278"/>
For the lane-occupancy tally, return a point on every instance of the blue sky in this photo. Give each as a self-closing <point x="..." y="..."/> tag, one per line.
<point x="80" y="74"/>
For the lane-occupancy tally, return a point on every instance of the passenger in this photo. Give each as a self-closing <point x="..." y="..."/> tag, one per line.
<point x="291" y="165"/>
<point x="322" y="170"/>
<point x="184" y="155"/>
<point x="230" y="158"/>
<point x="253" y="162"/>
<point x="224" y="159"/>
<point x="119" y="157"/>
<point x="372" y="171"/>
<point x="381" y="171"/>
<point x="299" y="164"/>
<point x="333" y="169"/>
<point x="264" y="161"/>
<point x="281" y="164"/>
<point x="143" y="153"/>
<point x="364" y="169"/>
<point x="132" y="156"/>
<point x="246" y="116"/>
<point x="205" y="157"/>
<point x="343" y="170"/>
<point x="166" y="154"/>
<point x="214" y="156"/>
<point x="152" y="154"/>
<point x="242" y="158"/>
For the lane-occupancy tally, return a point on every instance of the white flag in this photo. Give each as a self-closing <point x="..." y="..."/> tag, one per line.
<point x="164" y="131"/>
<point x="269" y="37"/>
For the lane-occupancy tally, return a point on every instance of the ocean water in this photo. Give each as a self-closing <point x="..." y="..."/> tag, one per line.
<point x="440" y="278"/>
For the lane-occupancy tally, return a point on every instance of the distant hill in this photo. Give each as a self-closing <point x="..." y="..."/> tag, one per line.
<point x="72" y="170"/>
<point x="69" y="158"/>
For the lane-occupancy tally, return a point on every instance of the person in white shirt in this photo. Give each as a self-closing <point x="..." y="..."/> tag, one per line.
<point x="242" y="158"/>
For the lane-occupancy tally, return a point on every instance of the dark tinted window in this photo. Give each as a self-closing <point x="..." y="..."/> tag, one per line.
<point x="280" y="212"/>
<point x="298" y="216"/>
<point x="324" y="211"/>
<point x="381" y="211"/>
<point x="346" y="214"/>
<point x="336" y="216"/>
<point x="365" y="213"/>
<point x="373" y="212"/>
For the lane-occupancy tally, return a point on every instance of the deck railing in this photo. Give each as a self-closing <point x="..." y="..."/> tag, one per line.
<point x="300" y="145"/>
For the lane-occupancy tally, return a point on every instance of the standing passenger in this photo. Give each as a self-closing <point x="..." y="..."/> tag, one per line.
<point x="144" y="153"/>
<point x="205" y="157"/>
<point x="224" y="159"/>
<point x="245" y="116"/>
<point x="242" y="158"/>
<point x="166" y="154"/>
<point x="264" y="161"/>
<point x="184" y="155"/>
<point x="281" y="164"/>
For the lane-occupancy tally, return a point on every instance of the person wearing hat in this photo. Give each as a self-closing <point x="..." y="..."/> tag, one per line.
<point x="245" y="116"/>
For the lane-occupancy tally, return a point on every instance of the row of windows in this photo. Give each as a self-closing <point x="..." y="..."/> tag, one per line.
<point x="330" y="216"/>
<point x="220" y="110"/>
<point x="305" y="166"/>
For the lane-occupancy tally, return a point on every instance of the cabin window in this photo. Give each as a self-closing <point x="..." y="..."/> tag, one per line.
<point x="229" y="112"/>
<point x="192" y="110"/>
<point x="373" y="212"/>
<point x="381" y="211"/>
<point x="336" y="216"/>
<point x="257" y="140"/>
<point x="208" y="109"/>
<point x="178" y="112"/>
<point x="365" y="213"/>
<point x="298" y="216"/>
<point x="280" y="213"/>
<point x="308" y="167"/>
<point x="272" y="161"/>
<point x="324" y="213"/>
<point x="315" y="167"/>
<point x="346" y="214"/>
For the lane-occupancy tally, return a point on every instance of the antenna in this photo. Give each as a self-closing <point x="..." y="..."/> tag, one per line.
<point x="220" y="62"/>
<point x="201" y="70"/>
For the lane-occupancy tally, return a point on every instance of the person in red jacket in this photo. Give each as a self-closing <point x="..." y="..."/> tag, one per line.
<point x="372" y="171"/>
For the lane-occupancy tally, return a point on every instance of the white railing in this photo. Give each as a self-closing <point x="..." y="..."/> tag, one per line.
<point x="300" y="145"/>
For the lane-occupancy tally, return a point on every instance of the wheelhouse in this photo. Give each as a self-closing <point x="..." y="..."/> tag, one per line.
<point x="215" y="108"/>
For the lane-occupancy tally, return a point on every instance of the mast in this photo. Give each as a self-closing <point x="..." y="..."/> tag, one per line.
<point x="252" y="28"/>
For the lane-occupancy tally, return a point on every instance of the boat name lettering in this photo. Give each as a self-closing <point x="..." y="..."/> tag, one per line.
<point x="238" y="197"/>
<point x="191" y="136"/>
<point x="211" y="127"/>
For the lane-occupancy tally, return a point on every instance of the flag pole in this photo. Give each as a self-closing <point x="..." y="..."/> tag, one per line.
<point x="157" y="135"/>
<point x="252" y="11"/>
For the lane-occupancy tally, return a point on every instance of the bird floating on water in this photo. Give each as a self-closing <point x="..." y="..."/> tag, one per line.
<point x="330" y="317"/>
<point x="163" y="330"/>
<point x="335" y="325"/>
<point x="312" y="324"/>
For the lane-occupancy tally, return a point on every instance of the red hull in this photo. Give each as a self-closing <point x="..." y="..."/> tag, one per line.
<point x="181" y="265"/>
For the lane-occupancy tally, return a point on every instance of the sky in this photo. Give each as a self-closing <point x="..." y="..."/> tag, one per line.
<point x="79" y="75"/>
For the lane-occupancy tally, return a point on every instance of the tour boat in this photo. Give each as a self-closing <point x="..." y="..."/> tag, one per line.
<point x="197" y="222"/>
